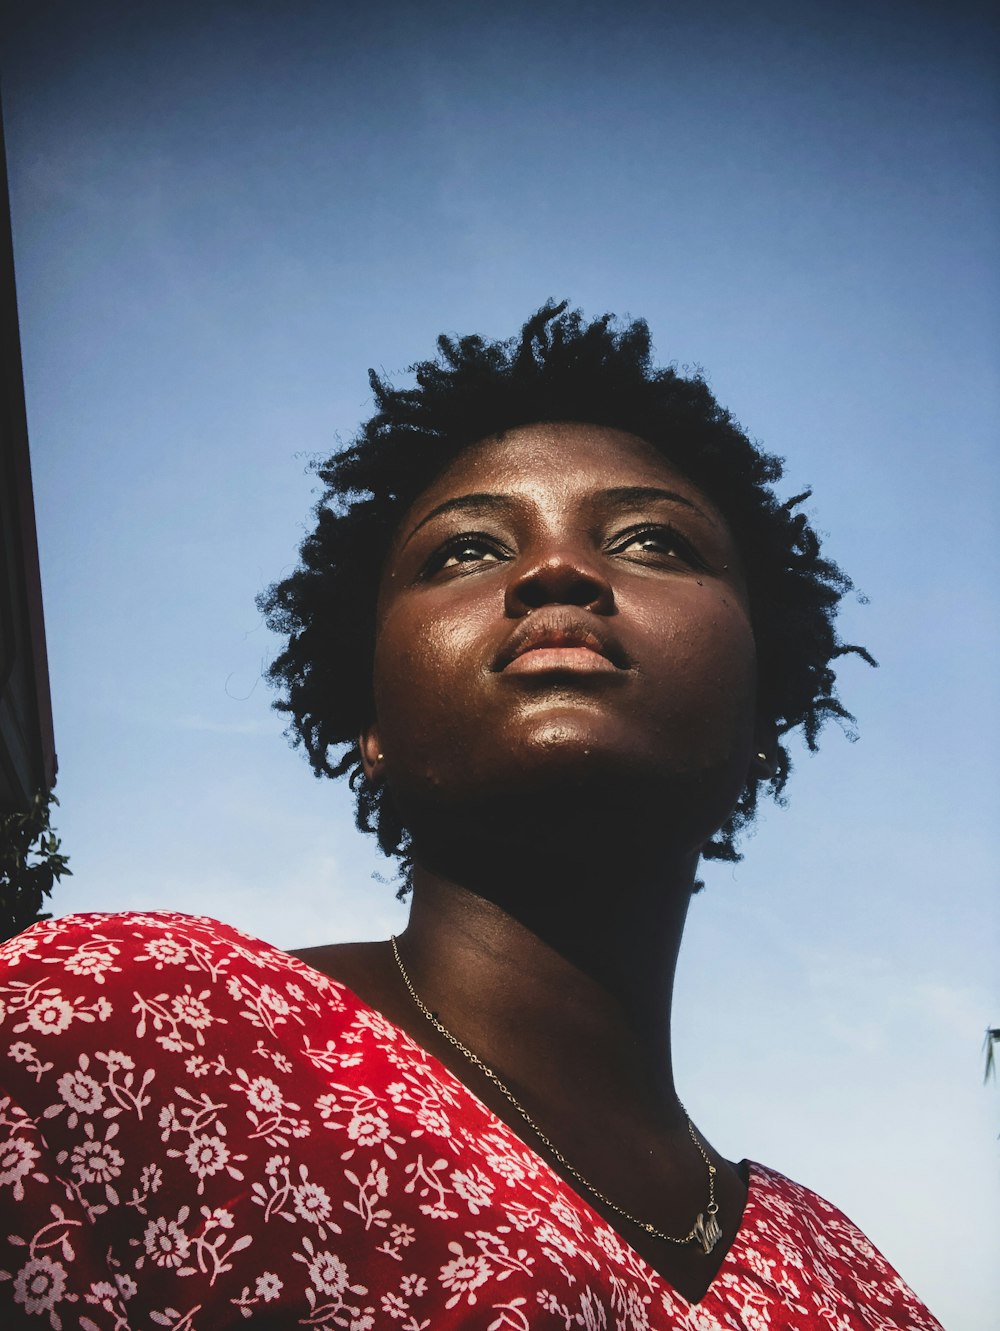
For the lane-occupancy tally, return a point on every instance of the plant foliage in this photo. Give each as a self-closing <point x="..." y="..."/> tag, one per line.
<point x="30" y="864"/>
<point x="992" y="1037"/>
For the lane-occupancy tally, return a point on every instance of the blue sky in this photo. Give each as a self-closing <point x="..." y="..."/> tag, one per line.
<point x="223" y="214"/>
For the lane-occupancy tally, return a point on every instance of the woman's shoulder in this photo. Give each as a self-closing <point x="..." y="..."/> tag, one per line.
<point x="169" y="1087"/>
<point x="778" y="1196"/>
<point x="807" y="1241"/>
<point x="97" y="942"/>
<point x="176" y="979"/>
<point x="172" y="949"/>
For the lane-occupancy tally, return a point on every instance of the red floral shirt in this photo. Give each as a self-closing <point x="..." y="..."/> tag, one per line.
<point x="197" y="1131"/>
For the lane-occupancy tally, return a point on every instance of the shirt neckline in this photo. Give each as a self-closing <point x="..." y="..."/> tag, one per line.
<point x="656" y="1281"/>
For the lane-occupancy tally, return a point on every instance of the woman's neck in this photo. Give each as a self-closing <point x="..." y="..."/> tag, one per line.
<point x="563" y="963"/>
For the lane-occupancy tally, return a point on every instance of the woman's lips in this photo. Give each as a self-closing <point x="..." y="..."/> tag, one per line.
<point x="577" y="659"/>
<point x="561" y="637"/>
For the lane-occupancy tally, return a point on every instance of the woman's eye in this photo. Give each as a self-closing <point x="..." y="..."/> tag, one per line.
<point x="464" y="551"/>
<point x="660" y="542"/>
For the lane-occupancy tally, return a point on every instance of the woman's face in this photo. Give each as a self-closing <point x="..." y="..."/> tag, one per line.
<point x="561" y="608"/>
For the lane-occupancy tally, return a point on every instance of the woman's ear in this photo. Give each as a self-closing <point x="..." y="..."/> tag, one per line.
<point x="372" y="757"/>
<point x="764" y="761"/>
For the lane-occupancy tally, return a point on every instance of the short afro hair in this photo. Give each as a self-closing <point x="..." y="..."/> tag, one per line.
<point x="561" y="368"/>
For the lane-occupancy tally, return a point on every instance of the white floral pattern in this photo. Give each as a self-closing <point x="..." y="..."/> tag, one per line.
<point x="198" y="1131"/>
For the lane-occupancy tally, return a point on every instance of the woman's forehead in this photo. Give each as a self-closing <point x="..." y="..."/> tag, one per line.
<point x="561" y="457"/>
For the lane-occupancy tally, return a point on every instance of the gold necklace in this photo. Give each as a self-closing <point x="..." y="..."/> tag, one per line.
<point x="706" y="1229"/>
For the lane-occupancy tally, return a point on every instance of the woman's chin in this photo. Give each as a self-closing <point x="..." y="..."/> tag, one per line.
<point x="564" y="783"/>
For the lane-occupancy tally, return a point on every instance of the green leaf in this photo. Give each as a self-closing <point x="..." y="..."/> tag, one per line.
<point x="30" y="863"/>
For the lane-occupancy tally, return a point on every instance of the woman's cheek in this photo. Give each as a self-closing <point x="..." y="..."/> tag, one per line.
<point x="709" y="685"/>
<point x="423" y="670"/>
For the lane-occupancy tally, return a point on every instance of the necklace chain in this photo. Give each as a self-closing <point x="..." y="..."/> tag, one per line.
<point x="705" y="1230"/>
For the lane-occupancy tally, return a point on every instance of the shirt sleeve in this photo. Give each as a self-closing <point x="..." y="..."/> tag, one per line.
<point x="98" y="1015"/>
<point x="50" y="1266"/>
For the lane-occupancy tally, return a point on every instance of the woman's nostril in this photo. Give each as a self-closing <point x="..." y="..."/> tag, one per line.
<point x="562" y="581"/>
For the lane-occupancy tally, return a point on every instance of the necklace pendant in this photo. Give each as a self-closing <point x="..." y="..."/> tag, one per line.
<point x="707" y="1231"/>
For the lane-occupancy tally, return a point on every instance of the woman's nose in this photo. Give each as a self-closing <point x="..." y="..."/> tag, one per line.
<point x="560" y="577"/>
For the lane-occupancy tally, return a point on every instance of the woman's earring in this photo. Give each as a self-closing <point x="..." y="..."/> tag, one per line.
<point x="766" y="770"/>
<point x="380" y="757"/>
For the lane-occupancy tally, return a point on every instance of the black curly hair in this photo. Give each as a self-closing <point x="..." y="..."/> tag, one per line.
<point x="560" y="368"/>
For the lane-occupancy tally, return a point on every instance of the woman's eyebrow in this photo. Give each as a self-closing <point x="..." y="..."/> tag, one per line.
<point x="625" y="495"/>
<point x="621" y="496"/>
<point x="483" y="502"/>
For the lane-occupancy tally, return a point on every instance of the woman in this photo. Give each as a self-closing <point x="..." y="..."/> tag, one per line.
<point x="554" y="623"/>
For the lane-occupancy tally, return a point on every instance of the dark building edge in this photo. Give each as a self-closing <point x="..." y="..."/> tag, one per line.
<point x="27" y="741"/>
